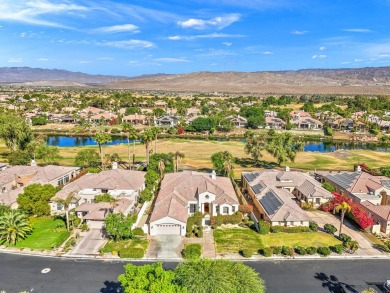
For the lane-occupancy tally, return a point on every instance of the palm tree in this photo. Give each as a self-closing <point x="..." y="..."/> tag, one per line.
<point x="343" y="207"/>
<point x="133" y="134"/>
<point x="147" y="137"/>
<point x="14" y="225"/>
<point x="126" y="128"/>
<point x="66" y="204"/>
<point x="155" y="131"/>
<point x="178" y="156"/>
<point x="161" y="167"/>
<point x="102" y="138"/>
<point x="283" y="147"/>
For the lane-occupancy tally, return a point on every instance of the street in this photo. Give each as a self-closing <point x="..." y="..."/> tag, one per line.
<point x="20" y="272"/>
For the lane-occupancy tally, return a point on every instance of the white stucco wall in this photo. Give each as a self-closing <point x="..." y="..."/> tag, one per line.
<point x="167" y="220"/>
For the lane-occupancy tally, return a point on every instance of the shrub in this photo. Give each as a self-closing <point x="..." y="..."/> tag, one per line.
<point x="351" y="246"/>
<point x="311" y="250"/>
<point x="297" y="229"/>
<point x="329" y="228"/>
<point x="277" y="249"/>
<point x="300" y="250"/>
<point x="115" y="130"/>
<point x="338" y="248"/>
<point x="199" y="233"/>
<point x="267" y="251"/>
<point x="323" y="251"/>
<point x="194" y="225"/>
<point x="138" y="232"/>
<point x="288" y="251"/>
<point x="264" y="227"/>
<point x="227" y="219"/>
<point x="192" y="251"/>
<point x="345" y="238"/>
<point x="131" y="253"/>
<point x="313" y="226"/>
<point x="246" y="253"/>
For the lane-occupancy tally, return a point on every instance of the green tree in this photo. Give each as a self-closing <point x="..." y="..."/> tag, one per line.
<point x="102" y="138"/>
<point x="87" y="158"/>
<point x="150" y="278"/>
<point x="15" y="132"/>
<point x="254" y="145"/>
<point x="65" y="203"/>
<point x="223" y="162"/>
<point x="105" y="197"/>
<point x="225" y="125"/>
<point x="4" y="209"/>
<point x="178" y="156"/>
<point x="49" y="155"/>
<point x="118" y="226"/>
<point x="343" y="207"/>
<point x="13" y="226"/>
<point x="283" y="147"/>
<point x="167" y="159"/>
<point x="147" y="137"/>
<point x="202" y="124"/>
<point x="127" y="128"/>
<point x="20" y="157"/>
<point x="35" y="199"/>
<point x="214" y="276"/>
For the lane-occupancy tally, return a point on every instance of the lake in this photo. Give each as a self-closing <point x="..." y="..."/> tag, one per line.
<point x="310" y="146"/>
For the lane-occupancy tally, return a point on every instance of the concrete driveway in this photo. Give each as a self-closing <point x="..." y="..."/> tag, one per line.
<point x="365" y="246"/>
<point x="90" y="243"/>
<point x="165" y="247"/>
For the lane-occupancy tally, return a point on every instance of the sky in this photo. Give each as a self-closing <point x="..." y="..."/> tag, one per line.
<point x="137" y="37"/>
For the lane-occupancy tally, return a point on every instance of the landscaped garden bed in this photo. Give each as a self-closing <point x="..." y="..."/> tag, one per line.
<point x="126" y="248"/>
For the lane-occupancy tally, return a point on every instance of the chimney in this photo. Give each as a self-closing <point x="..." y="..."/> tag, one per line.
<point x="114" y="165"/>
<point x="213" y="175"/>
<point x="287" y="169"/>
<point x="33" y="163"/>
<point x="358" y="168"/>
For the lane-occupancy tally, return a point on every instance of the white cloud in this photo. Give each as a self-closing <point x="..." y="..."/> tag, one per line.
<point x="171" y="60"/>
<point x="15" y="60"/>
<point x="133" y="62"/>
<point x="227" y="44"/>
<point x="129" y="44"/>
<point x="104" y="58"/>
<point x="42" y="59"/>
<point x="357" y="30"/>
<point x="208" y="36"/>
<point x="85" y="62"/>
<point x="22" y="35"/>
<point x="118" y="29"/>
<point x="219" y="22"/>
<point x="266" y="53"/>
<point x="299" y="32"/>
<point x="322" y="48"/>
<point x="319" y="57"/>
<point x="358" y="60"/>
<point x="345" y="62"/>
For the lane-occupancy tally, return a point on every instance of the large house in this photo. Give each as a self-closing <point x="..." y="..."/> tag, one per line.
<point x="14" y="179"/>
<point x="239" y="121"/>
<point x="275" y="195"/>
<point x="182" y="194"/>
<point x="135" y="119"/>
<point x="274" y="122"/>
<point x="167" y="121"/>
<point x="303" y="120"/>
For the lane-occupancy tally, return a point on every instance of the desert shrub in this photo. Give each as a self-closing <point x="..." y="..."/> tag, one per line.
<point x="264" y="227"/>
<point x="131" y="253"/>
<point x="307" y="206"/>
<point x="311" y="250"/>
<point x="300" y="250"/>
<point x="345" y="238"/>
<point x="277" y="249"/>
<point x="323" y="251"/>
<point x="138" y="232"/>
<point x="192" y="251"/>
<point x="267" y="251"/>
<point x="282" y="229"/>
<point x="338" y="248"/>
<point x="313" y="226"/>
<point x="288" y="251"/>
<point x="246" y="253"/>
<point x="330" y="229"/>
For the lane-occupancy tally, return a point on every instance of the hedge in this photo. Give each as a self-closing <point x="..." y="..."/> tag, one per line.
<point x="246" y="253"/>
<point x="277" y="249"/>
<point x="300" y="250"/>
<point x="131" y="253"/>
<point x="313" y="226"/>
<point x="192" y="251"/>
<point x="264" y="227"/>
<point x="226" y="219"/>
<point x="297" y="229"/>
<point x="138" y="232"/>
<point x="288" y="251"/>
<point x="330" y="229"/>
<point x="338" y="248"/>
<point x="323" y="251"/>
<point x="267" y="251"/>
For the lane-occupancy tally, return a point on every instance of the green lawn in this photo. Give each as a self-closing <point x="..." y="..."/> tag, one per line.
<point x="234" y="240"/>
<point x="47" y="233"/>
<point x="129" y="244"/>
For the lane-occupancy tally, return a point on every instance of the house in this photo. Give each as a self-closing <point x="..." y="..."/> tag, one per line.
<point x="270" y="113"/>
<point x="193" y="112"/>
<point x="92" y="111"/>
<point x="105" y="116"/>
<point x="380" y="215"/>
<point x="166" y="121"/>
<point x="135" y="119"/>
<point x="303" y="120"/>
<point x="274" y="122"/>
<point x="239" y="122"/>
<point x="182" y="194"/>
<point x="160" y="104"/>
<point x="14" y="179"/>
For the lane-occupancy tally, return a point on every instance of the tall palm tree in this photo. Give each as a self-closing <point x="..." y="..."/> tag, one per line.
<point x="178" y="156"/>
<point x="155" y="131"/>
<point x="126" y="128"/>
<point x="66" y="204"/>
<point x="102" y="138"/>
<point x="344" y="207"/>
<point x="134" y="135"/>
<point x="161" y="167"/>
<point x="14" y="225"/>
<point x="147" y="137"/>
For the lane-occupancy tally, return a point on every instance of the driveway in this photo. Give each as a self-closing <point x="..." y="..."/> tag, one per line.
<point x="165" y="247"/>
<point x="90" y="243"/>
<point x="365" y="246"/>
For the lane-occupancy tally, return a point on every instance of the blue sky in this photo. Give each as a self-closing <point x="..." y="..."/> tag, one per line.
<point x="181" y="36"/>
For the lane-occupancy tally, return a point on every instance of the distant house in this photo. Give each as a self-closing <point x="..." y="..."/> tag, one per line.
<point x="160" y="104"/>
<point x="92" y="110"/>
<point x="182" y="194"/>
<point x="239" y="122"/>
<point x="166" y="121"/>
<point x="270" y="113"/>
<point x="106" y="117"/>
<point x="274" y="122"/>
<point x="303" y="120"/>
<point x="135" y="119"/>
<point x="193" y="112"/>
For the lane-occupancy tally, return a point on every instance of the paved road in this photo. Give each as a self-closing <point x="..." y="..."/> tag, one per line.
<point x="19" y="273"/>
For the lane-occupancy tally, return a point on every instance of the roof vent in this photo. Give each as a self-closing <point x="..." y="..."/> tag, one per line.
<point x="213" y="175"/>
<point x="114" y="165"/>
<point x="287" y="169"/>
<point x="33" y="163"/>
<point x="358" y="168"/>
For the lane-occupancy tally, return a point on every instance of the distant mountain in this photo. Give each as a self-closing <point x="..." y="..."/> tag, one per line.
<point x="27" y="74"/>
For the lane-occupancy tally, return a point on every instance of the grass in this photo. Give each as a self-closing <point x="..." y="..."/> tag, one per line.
<point x="47" y="233"/>
<point x="111" y="245"/>
<point x="236" y="239"/>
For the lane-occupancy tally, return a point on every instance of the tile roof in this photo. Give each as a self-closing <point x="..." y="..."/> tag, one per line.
<point x="99" y="211"/>
<point x="382" y="211"/>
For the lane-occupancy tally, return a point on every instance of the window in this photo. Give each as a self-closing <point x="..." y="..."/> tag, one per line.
<point x="59" y="206"/>
<point x="225" y="210"/>
<point x="192" y="208"/>
<point x="233" y="209"/>
<point x="207" y="196"/>
<point x="318" y="200"/>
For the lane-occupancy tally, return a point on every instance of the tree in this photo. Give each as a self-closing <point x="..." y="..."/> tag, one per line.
<point x="156" y="131"/>
<point x="147" y="137"/>
<point x="87" y="158"/>
<point x="178" y="156"/>
<point x="15" y="132"/>
<point x="283" y="147"/>
<point x="20" y="157"/>
<point x="130" y="133"/>
<point x="134" y="135"/>
<point x="202" y="124"/>
<point x="161" y="167"/>
<point x="161" y="160"/>
<point x="105" y="197"/>
<point x="35" y="199"/>
<point x="212" y="276"/>
<point x="150" y="278"/>
<point x="118" y="226"/>
<point x="223" y="162"/>
<point x="254" y="145"/>
<point x="65" y="203"/>
<point x="344" y="207"/>
<point x="49" y="155"/>
<point x="225" y="125"/>
<point x="102" y="138"/>
<point x="13" y="226"/>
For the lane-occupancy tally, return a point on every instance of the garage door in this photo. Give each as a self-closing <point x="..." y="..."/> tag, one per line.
<point x="168" y="229"/>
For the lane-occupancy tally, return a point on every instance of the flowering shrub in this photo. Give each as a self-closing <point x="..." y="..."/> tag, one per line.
<point x="357" y="214"/>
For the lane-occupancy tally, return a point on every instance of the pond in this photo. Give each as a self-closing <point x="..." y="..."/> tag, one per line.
<point x="310" y="146"/>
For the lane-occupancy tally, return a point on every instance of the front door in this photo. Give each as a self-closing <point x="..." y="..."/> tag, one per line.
<point x="206" y="208"/>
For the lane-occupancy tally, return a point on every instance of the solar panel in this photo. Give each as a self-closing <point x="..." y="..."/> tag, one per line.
<point x="257" y="188"/>
<point x="385" y="183"/>
<point x="251" y="176"/>
<point x="344" y="180"/>
<point x="270" y="202"/>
